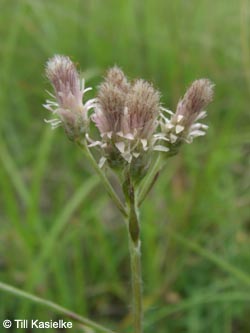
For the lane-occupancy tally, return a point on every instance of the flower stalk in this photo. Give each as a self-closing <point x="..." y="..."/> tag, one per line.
<point x="103" y="177"/>
<point x="133" y="226"/>
<point x="136" y="280"/>
<point x="150" y="180"/>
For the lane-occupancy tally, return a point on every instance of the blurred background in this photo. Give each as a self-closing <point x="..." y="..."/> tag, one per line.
<point x="60" y="236"/>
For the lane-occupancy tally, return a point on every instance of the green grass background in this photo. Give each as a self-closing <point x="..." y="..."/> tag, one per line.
<point x="60" y="236"/>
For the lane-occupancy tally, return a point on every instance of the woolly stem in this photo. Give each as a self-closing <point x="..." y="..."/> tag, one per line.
<point x="135" y="258"/>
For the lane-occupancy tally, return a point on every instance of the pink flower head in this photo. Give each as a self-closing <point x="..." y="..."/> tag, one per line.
<point x="183" y="124"/>
<point x="69" y="91"/>
<point x="126" y="116"/>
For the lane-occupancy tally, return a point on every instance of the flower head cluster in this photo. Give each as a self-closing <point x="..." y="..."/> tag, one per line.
<point x="69" y="90"/>
<point x="131" y="122"/>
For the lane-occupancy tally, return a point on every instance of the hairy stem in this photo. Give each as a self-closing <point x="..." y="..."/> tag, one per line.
<point x="135" y="259"/>
<point x="104" y="179"/>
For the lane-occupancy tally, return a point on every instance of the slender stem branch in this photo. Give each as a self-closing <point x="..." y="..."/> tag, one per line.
<point x="59" y="309"/>
<point x="104" y="179"/>
<point x="135" y="259"/>
<point x="149" y="180"/>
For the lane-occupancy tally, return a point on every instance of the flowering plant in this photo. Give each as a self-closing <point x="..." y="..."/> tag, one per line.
<point x="136" y="136"/>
